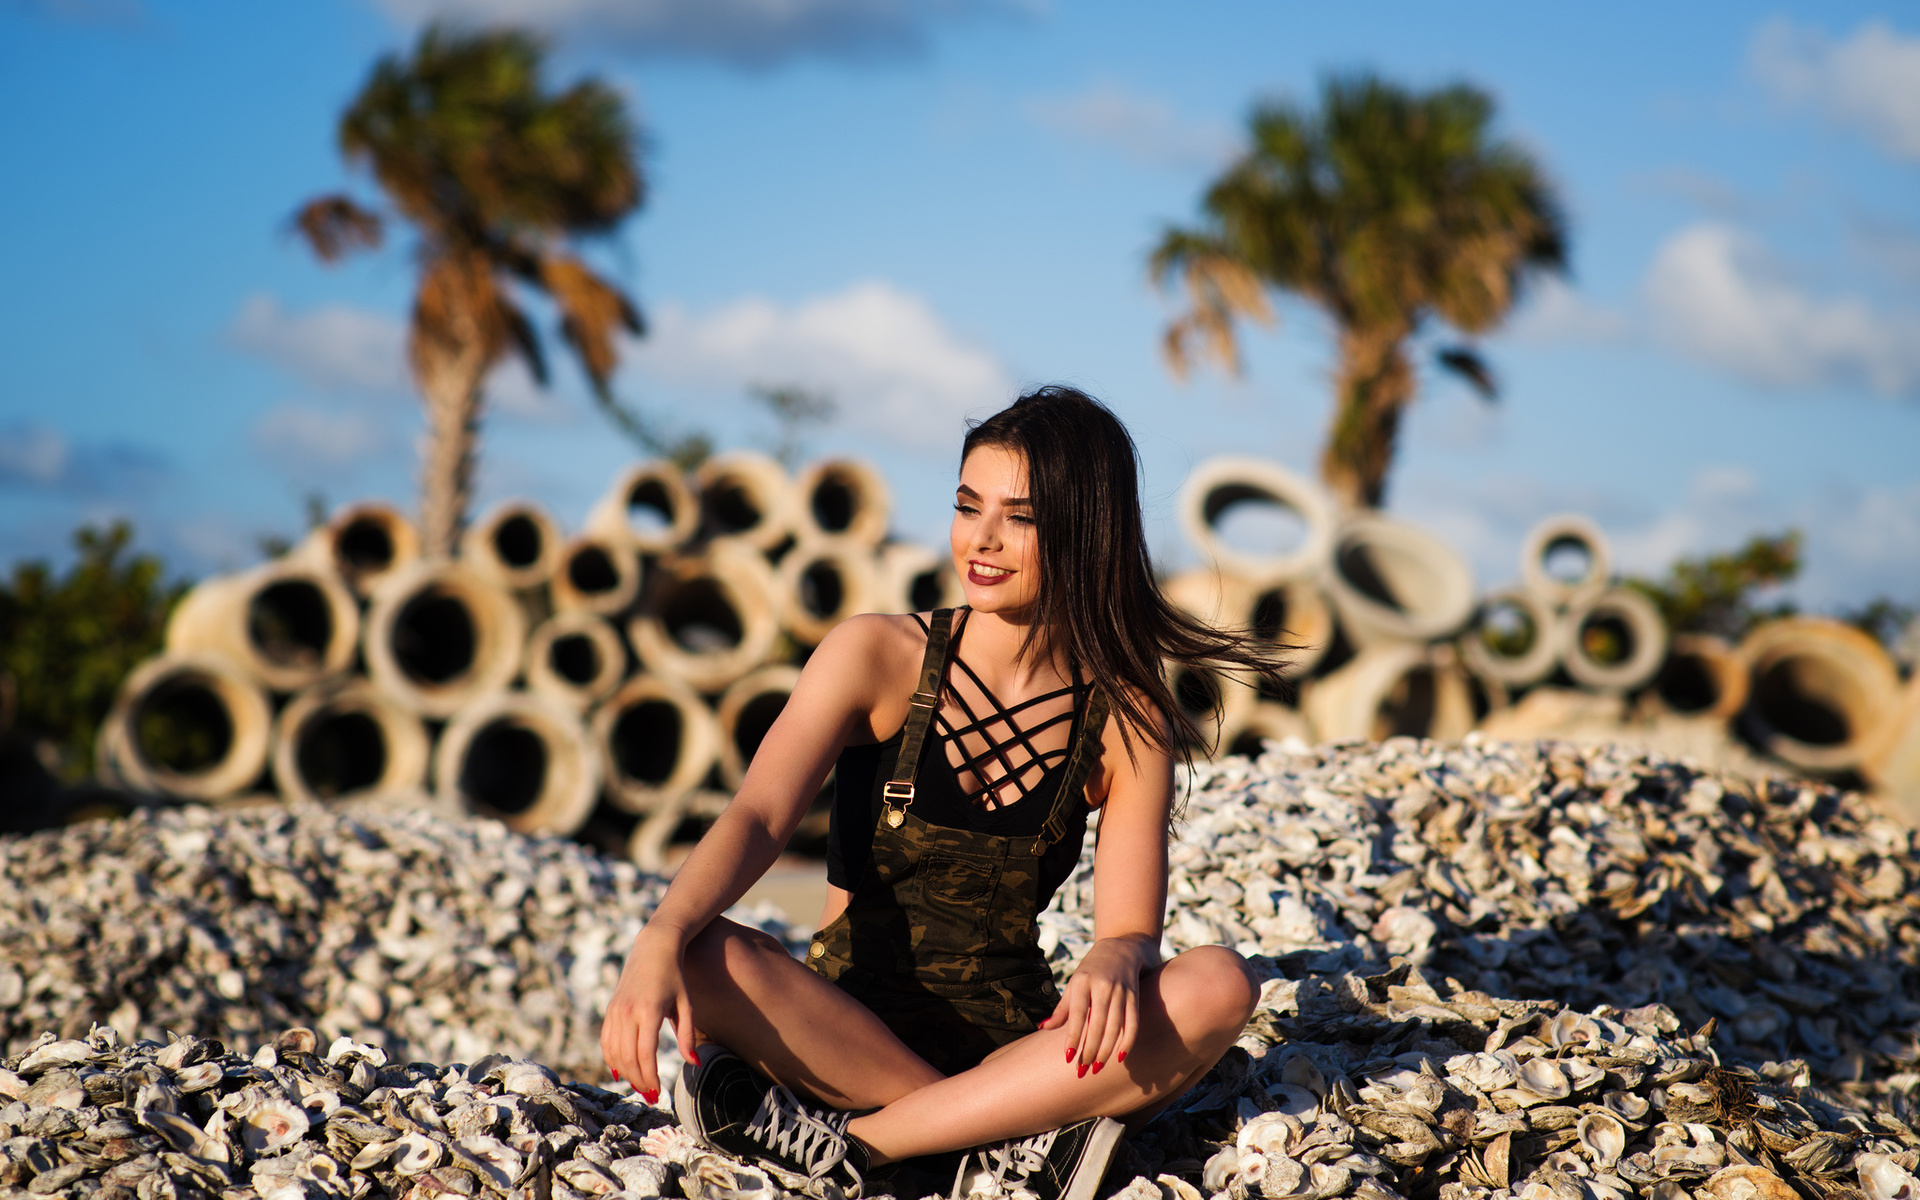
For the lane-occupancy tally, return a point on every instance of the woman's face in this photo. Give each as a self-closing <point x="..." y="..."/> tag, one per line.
<point x="996" y="551"/>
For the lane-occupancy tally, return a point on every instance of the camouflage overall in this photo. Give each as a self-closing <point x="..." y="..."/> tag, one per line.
<point x="939" y="937"/>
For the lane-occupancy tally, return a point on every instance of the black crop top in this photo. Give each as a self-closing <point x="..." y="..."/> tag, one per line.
<point x="941" y="800"/>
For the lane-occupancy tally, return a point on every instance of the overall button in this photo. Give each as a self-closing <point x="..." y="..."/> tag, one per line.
<point x="818" y="950"/>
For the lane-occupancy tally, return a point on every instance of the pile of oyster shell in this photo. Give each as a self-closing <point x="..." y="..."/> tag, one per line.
<point x="1494" y="972"/>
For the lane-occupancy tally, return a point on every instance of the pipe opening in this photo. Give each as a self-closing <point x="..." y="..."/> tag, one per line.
<point x="518" y="542"/>
<point x="365" y="544"/>
<point x="756" y="717"/>
<point x="183" y="726"/>
<point x="649" y="507"/>
<point x="506" y="767"/>
<point x="1805" y="698"/>
<point x="592" y="572"/>
<point x="434" y="640"/>
<point x="1253" y="520"/>
<point x="646" y="741"/>
<point x="1567" y="559"/>
<point x="1382" y="576"/>
<point x="700" y="616"/>
<point x="290" y="623"/>
<point x="731" y="507"/>
<point x="821" y="589"/>
<point x="1250" y="744"/>
<point x="1269" y="618"/>
<point x="1687" y="683"/>
<point x="1408" y="709"/>
<point x="341" y="752"/>
<point x="574" y="658"/>
<point x="835" y="501"/>
<point x="924" y="591"/>
<point x="1607" y="638"/>
<point x="1507" y="629"/>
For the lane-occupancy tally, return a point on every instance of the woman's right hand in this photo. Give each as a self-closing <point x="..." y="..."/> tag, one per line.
<point x="652" y="990"/>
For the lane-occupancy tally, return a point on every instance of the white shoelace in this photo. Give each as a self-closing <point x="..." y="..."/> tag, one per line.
<point x="800" y="1134"/>
<point x="1009" y="1159"/>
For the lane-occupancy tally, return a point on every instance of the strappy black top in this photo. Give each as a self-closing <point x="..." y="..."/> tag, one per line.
<point x="1003" y="760"/>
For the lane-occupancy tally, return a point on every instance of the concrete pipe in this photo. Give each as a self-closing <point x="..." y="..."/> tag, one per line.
<point x="1264" y="722"/>
<point x="1822" y="692"/>
<point x="1291" y="613"/>
<point x="289" y="623"/>
<point x="909" y="578"/>
<point x="193" y="726"/>
<point x="516" y="544"/>
<point x="598" y="573"/>
<point x="647" y="847"/>
<point x="1393" y="690"/>
<point x="1563" y="556"/>
<point x="745" y="498"/>
<point x="842" y="500"/>
<point x="439" y="635"/>
<point x="1514" y="638"/>
<point x="821" y="585"/>
<point x="348" y="739"/>
<point x="575" y="659"/>
<point x="657" y="742"/>
<point x="1704" y="676"/>
<point x="1613" y="640"/>
<point x="1391" y="582"/>
<point x="745" y="712"/>
<point x="1892" y="763"/>
<point x="1234" y="499"/>
<point x="521" y="760"/>
<point x="651" y="506"/>
<point x="367" y="542"/>
<point x="707" y="619"/>
<point x="1213" y="701"/>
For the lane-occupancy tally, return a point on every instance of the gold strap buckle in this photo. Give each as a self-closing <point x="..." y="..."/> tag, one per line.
<point x="924" y="699"/>
<point x="896" y="790"/>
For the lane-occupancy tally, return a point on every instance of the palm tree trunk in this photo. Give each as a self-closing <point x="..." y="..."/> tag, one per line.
<point x="1375" y="384"/>
<point x="451" y="388"/>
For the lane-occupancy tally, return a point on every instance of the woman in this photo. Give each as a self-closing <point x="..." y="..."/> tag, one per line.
<point x="971" y="748"/>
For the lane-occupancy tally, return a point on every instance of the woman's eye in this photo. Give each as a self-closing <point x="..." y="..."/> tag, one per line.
<point x="965" y="509"/>
<point x="1020" y="518"/>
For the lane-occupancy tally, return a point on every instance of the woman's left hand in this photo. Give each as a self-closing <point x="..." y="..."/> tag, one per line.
<point x="1101" y="1005"/>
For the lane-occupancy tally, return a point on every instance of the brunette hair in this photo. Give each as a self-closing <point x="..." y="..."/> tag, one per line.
<point x="1098" y="602"/>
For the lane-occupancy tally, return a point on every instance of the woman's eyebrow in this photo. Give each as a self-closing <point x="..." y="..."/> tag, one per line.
<point x="964" y="490"/>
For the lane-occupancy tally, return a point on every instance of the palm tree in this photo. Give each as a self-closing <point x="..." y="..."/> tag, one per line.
<point x="1385" y="208"/>
<point x="496" y="175"/>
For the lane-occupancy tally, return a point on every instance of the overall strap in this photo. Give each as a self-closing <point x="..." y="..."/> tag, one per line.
<point x="920" y="709"/>
<point x="1086" y="752"/>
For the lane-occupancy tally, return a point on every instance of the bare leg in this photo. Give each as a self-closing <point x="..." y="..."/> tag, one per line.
<point x="794" y="1026"/>
<point x="1191" y="1010"/>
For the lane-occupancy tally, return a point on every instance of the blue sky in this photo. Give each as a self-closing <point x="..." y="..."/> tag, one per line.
<point x="920" y="205"/>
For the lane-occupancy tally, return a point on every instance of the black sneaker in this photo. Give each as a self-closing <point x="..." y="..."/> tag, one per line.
<point x="730" y="1107"/>
<point x="1060" y="1164"/>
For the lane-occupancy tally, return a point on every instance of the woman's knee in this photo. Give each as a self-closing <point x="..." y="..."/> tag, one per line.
<point x="727" y="948"/>
<point x="1212" y="987"/>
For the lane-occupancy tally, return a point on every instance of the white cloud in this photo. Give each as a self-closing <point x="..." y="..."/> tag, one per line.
<point x="751" y="33"/>
<point x="1870" y="80"/>
<point x="1145" y="128"/>
<point x="1714" y="294"/>
<point x="335" y="346"/>
<point x="1552" y="311"/>
<point x="33" y="454"/>
<point x="889" y="362"/>
<point x="313" y="436"/>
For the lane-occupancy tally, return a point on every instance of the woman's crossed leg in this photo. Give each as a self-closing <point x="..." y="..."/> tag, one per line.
<point x="801" y="1030"/>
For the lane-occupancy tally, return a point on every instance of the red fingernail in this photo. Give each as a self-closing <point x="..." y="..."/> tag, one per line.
<point x="1123" y="1056"/>
<point x="1097" y="1066"/>
<point x="693" y="1056"/>
<point x="1083" y="1070"/>
<point x="652" y="1096"/>
<point x="1070" y="1050"/>
<point x="616" y="1077"/>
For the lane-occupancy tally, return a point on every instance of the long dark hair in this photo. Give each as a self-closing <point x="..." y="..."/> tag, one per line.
<point x="1099" y="604"/>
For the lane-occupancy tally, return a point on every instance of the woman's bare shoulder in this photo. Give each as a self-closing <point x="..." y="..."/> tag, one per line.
<point x="873" y="660"/>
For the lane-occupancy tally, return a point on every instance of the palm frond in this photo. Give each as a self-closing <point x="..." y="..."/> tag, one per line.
<point x="1218" y="288"/>
<point x="1467" y="363"/>
<point x="335" y="226"/>
<point x="591" y="312"/>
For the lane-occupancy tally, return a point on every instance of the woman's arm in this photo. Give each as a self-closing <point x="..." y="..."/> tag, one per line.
<point x="833" y="703"/>
<point x="1101" y="1007"/>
